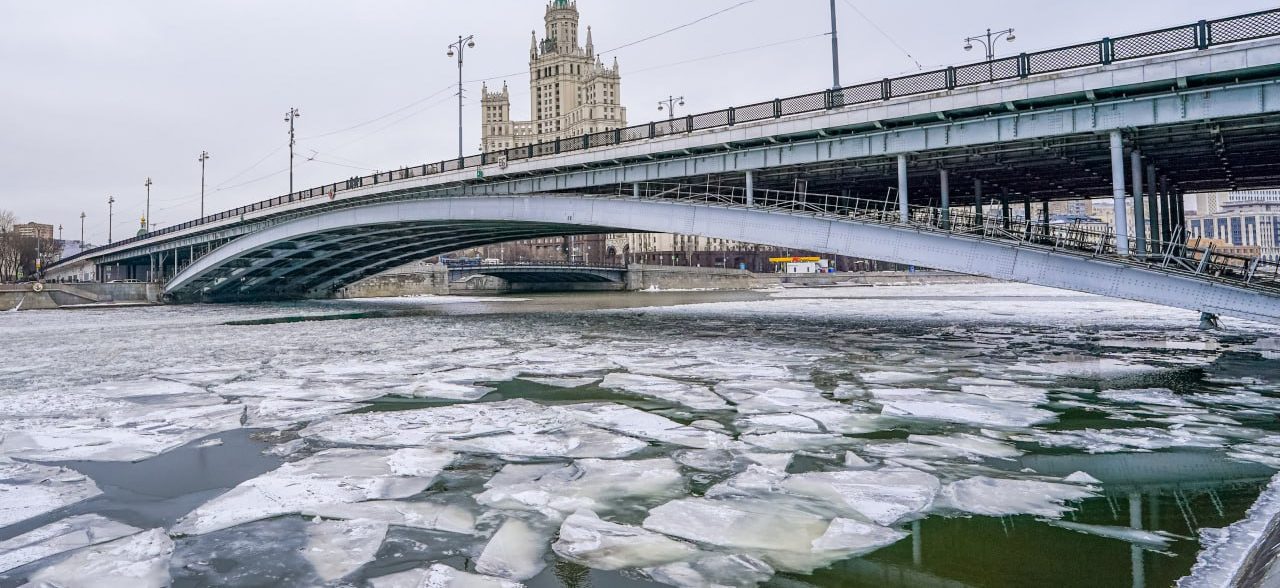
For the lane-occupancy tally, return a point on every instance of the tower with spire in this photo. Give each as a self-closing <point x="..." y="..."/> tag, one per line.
<point x="571" y="90"/>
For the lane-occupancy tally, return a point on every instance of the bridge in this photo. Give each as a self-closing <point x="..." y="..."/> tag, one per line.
<point x="905" y="170"/>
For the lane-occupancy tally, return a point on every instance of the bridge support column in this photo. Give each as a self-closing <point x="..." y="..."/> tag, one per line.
<point x="635" y="190"/>
<point x="904" y="210"/>
<point x="946" y="198"/>
<point x="751" y="188"/>
<point x="1027" y="218"/>
<point x="977" y="202"/>
<point x="1166" y="219"/>
<point x="1006" y="213"/>
<point x="1139" y="222"/>
<point x="1044" y="217"/>
<point x="1117" y="193"/>
<point x="1180" y="209"/>
<point x="1153" y="206"/>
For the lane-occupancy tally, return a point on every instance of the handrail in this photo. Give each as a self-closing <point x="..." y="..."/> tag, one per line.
<point x="1196" y="36"/>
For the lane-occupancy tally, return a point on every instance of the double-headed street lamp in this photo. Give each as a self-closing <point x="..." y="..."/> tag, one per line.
<point x="670" y="105"/>
<point x="146" y="222"/>
<point x="289" y="117"/>
<point x="204" y="156"/>
<point x="989" y="41"/>
<point x="464" y="43"/>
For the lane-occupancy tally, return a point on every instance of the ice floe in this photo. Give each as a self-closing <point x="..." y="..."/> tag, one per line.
<point x="440" y="576"/>
<point x="338" y="548"/>
<point x="959" y="408"/>
<point x="335" y="476"/>
<point x="713" y="570"/>
<point x="995" y="497"/>
<point x="1156" y="396"/>
<point x="59" y="537"/>
<point x="885" y="497"/>
<point x="136" y="561"/>
<point x="645" y="425"/>
<point x="28" y="490"/>
<point x="515" y="552"/>
<point x="594" y="484"/>
<point x="587" y="540"/>
<point x="694" y="396"/>
<point x="1154" y="540"/>
<point x="419" y="515"/>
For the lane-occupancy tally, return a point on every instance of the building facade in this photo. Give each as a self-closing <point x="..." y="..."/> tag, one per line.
<point x="34" y="231"/>
<point x="1243" y="220"/>
<point x="571" y="90"/>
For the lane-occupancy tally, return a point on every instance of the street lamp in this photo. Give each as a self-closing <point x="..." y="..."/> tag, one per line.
<point x="204" y="156"/>
<point x="670" y="105"/>
<point x="146" y="222"/>
<point x="82" y="229"/>
<point x="111" y="200"/>
<point x="289" y="117"/>
<point x="461" y="46"/>
<point x="989" y="41"/>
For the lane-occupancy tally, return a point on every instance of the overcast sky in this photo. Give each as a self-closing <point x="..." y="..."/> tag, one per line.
<point x="99" y="95"/>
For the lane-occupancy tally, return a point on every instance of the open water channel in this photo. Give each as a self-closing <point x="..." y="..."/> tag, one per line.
<point x="965" y="435"/>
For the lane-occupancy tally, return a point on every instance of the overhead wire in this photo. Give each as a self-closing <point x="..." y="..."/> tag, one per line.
<point x="884" y="34"/>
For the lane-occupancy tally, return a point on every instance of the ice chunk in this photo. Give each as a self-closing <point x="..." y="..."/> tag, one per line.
<point x="766" y="396"/>
<point x="691" y="395"/>
<point x="645" y="425"/>
<point x="854" y="462"/>
<point x="296" y="389"/>
<point x="713" y="570"/>
<point x="888" y="377"/>
<point x="515" y="552"/>
<point x="960" y="408"/>
<point x="836" y="419"/>
<point x="28" y="490"/>
<point x="852" y="538"/>
<point x="1134" y="439"/>
<point x="335" y="476"/>
<point x="271" y="412"/>
<point x="1000" y="497"/>
<point x="337" y="548"/>
<point x="440" y="576"/>
<point x="518" y="428"/>
<point x="1154" y="540"/>
<point x="1081" y="478"/>
<point x="564" y="382"/>
<point x="884" y="497"/>
<point x="587" y="540"/>
<point x="788" y="441"/>
<point x="707" y="425"/>
<point x="136" y="561"/>
<point x="1009" y="393"/>
<point x="969" y="444"/>
<point x="1157" y="396"/>
<point x="592" y="484"/>
<point x="419" y="515"/>
<point x="62" y="536"/>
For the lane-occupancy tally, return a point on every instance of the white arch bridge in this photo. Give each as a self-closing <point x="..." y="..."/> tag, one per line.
<point x="313" y="255"/>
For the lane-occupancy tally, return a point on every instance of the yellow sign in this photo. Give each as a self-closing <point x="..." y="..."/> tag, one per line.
<point x="793" y="259"/>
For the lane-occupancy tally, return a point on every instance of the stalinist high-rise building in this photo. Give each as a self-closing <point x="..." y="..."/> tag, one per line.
<point x="571" y="91"/>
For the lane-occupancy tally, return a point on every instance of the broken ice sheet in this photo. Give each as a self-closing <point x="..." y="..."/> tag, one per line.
<point x="136" y="561"/>
<point x="515" y="428"/>
<point x="337" y="548"/>
<point x="594" y="484"/>
<point x="587" y="540"/>
<point x="885" y="497"/>
<point x="420" y="515"/>
<point x="959" y="408"/>
<point x="59" y="537"/>
<point x="694" y="396"/>
<point x="1154" y="540"/>
<point x="713" y="570"/>
<point x="982" y="495"/>
<point x="645" y="425"/>
<point x="515" y="552"/>
<point x="297" y="389"/>
<point x="28" y="490"/>
<point x="335" y="476"/>
<point x="440" y="576"/>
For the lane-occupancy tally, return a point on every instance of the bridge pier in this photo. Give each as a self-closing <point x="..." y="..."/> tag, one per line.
<point x="1166" y="219"/>
<point x="1117" y="193"/>
<point x="904" y="210"/>
<point x="977" y="202"/>
<point x="751" y="188"/>
<point x="1006" y="213"/>
<point x="1026" y="214"/>
<point x="1153" y="206"/>
<point x="1139" y="223"/>
<point x="946" y="198"/>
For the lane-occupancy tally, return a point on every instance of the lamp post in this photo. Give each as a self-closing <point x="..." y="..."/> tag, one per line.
<point x="111" y="200"/>
<point x="59" y="231"/>
<point x="835" y="50"/>
<point x="289" y="117"/>
<point x="461" y="46"/>
<point x="204" y="156"/>
<point x="670" y="105"/>
<point x="989" y="41"/>
<point x="82" y="229"/>
<point x="146" y="222"/>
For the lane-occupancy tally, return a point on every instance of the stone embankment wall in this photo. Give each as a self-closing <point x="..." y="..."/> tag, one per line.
<point x="418" y="281"/>
<point x="63" y="295"/>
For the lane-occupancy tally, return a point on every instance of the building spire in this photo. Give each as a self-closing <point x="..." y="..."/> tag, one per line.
<point x="533" y="44"/>
<point x="591" y="47"/>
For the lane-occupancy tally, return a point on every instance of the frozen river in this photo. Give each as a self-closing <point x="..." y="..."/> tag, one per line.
<point x="975" y="435"/>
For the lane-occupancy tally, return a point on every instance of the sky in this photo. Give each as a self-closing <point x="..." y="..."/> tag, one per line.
<point x="98" y="96"/>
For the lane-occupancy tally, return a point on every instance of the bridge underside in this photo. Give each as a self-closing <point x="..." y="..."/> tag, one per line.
<point x="318" y="263"/>
<point x="316" y="255"/>
<point x="566" y="276"/>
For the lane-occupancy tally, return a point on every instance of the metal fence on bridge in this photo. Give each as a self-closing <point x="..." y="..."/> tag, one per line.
<point x="1194" y="36"/>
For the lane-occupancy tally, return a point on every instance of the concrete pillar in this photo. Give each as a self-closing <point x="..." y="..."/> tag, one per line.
<point x="1044" y="218"/>
<point x="1006" y="213"/>
<point x="904" y="210"/>
<point x="1153" y="207"/>
<point x="945" y="181"/>
<point x="1139" y="220"/>
<point x="1117" y="193"/>
<point x="977" y="202"/>
<point x="635" y="189"/>
<point x="1166" y="219"/>
<point x="751" y="188"/>
<point x="1180" y="208"/>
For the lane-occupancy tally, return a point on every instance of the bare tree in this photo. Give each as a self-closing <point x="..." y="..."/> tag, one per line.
<point x="10" y="259"/>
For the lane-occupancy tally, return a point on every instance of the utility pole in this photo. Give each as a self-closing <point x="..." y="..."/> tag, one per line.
<point x="146" y="222"/>
<point x="204" y="156"/>
<point x="835" y="50"/>
<point x="462" y="45"/>
<point x="82" y="230"/>
<point x="111" y="200"/>
<point x="289" y="117"/>
<point x="670" y="105"/>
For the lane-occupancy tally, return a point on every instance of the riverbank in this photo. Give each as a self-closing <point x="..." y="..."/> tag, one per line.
<point x="81" y="295"/>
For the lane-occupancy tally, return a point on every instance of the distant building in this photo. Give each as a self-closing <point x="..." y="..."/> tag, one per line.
<point x="34" y="230"/>
<point x="1243" y="219"/>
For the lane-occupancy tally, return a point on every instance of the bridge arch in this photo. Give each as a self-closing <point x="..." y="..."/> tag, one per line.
<point x="317" y="254"/>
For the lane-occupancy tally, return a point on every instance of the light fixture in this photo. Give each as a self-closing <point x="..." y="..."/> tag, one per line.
<point x="451" y="52"/>
<point x="968" y="46"/>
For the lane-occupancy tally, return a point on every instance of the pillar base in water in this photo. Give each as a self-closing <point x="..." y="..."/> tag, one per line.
<point x="1209" y="321"/>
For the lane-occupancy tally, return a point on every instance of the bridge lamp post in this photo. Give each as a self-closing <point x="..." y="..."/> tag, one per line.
<point x="146" y="222"/>
<point x="461" y="46"/>
<point x="989" y="41"/>
<point x="111" y="201"/>
<point x="289" y="117"/>
<point x="670" y="105"/>
<point x="82" y="229"/>
<point x="204" y="156"/>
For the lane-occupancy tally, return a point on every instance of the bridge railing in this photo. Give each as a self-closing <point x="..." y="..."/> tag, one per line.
<point x="1080" y="238"/>
<point x="1195" y="36"/>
